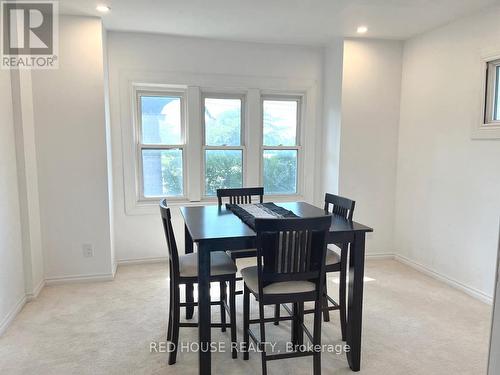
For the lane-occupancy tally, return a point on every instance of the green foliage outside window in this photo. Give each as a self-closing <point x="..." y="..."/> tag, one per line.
<point x="280" y="171"/>
<point x="223" y="169"/>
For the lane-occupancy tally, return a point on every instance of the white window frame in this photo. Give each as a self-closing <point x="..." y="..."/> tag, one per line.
<point x="299" y="139"/>
<point x="139" y="92"/>
<point x="492" y="87"/>
<point x="242" y="146"/>
<point x="484" y="126"/>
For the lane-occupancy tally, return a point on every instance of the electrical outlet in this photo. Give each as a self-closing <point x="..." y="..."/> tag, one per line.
<point x="88" y="250"/>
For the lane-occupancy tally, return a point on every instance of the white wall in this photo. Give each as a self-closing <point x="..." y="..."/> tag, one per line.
<point x="109" y="149"/>
<point x="22" y="101"/>
<point x="71" y="153"/>
<point x="371" y="92"/>
<point x="494" y="363"/>
<point x="333" y="56"/>
<point x="148" y="55"/>
<point x="12" y="294"/>
<point x="448" y="185"/>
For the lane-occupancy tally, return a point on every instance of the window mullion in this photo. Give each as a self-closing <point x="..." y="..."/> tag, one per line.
<point x="253" y="133"/>
<point x="194" y="143"/>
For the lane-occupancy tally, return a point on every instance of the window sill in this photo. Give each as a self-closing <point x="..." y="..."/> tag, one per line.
<point x="486" y="131"/>
<point x="150" y="207"/>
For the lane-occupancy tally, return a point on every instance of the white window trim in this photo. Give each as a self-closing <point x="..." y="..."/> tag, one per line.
<point x="299" y="139"/>
<point x="218" y="94"/>
<point x="484" y="127"/>
<point x="158" y="91"/>
<point x="491" y="91"/>
<point x="194" y="84"/>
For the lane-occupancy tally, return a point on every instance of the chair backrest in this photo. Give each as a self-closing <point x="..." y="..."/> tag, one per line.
<point x="291" y="249"/>
<point x="240" y="195"/>
<point x="341" y="206"/>
<point x="173" y="255"/>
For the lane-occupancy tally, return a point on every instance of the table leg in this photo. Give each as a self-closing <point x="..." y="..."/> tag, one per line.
<point x="188" y="246"/>
<point x="204" y="323"/>
<point x="355" y="300"/>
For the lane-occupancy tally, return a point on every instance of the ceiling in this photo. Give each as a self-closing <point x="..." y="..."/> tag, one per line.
<point x="283" y="21"/>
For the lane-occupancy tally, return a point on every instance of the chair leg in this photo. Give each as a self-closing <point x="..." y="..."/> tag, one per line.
<point x="326" y="313"/>
<point x="189" y="298"/>
<point x="277" y="314"/>
<point x="300" y="330"/>
<point x="262" y="338"/>
<point x="317" y="338"/>
<point x="223" y="298"/>
<point x="175" y="325"/>
<point x="170" y="310"/>
<point x="232" y="313"/>
<point x="294" y="333"/>
<point x="246" y="322"/>
<point x="342" y="292"/>
<point x="298" y="318"/>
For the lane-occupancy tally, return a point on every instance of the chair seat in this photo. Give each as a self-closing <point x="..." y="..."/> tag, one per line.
<point x="251" y="279"/>
<point x="221" y="264"/>
<point x="332" y="257"/>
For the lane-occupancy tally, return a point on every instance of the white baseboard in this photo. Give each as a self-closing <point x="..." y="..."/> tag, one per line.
<point x="125" y="262"/>
<point x="473" y="292"/>
<point x="79" y="278"/>
<point x="12" y="314"/>
<point x="32" y="296"/>
<point x="380" y="256"/>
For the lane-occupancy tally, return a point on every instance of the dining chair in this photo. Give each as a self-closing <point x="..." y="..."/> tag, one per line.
<point x="335" y="262"/>
<point x="184" y="270"/>
<point x="240" y="196"/>
<point x="290" y="269"/>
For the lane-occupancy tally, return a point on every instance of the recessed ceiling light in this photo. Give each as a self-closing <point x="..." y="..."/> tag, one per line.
<point x="362" y="29"/>
<point x="103" y="8"/>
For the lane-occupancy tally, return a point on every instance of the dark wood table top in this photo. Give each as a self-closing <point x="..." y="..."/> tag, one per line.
<point x="210" y="222"/>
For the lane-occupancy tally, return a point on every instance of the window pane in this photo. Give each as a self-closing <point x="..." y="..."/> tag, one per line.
<point x="280" y="171"/>
<point x="162" y="173"/>
<point x="280" y="122"/>
<point x="223" y="169"/>
<point x="222" y="122"/>
<point x="161" y="120"/>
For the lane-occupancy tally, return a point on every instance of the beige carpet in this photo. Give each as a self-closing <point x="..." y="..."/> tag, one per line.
<point x="412" y="325"/>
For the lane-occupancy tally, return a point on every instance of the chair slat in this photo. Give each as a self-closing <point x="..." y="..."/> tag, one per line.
<point x="294" y="252"/>
<point x="340" y="206"/>
<point x="240" y="195"/>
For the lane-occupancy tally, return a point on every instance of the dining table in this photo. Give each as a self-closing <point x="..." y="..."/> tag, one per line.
<point x="214" y="228"/>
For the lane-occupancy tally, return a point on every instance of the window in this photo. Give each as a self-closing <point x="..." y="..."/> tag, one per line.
<point x="280" y="144"/>
<point x="492" y="107"/>
<point x="223" y="145"/>
<point x="186" y="142"/>
<point x="161" y="144"/>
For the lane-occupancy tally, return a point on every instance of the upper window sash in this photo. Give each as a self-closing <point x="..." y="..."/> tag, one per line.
<point x="282" y="98"/>
<point x="215" y="96"/>
<point x="141" y="93"/>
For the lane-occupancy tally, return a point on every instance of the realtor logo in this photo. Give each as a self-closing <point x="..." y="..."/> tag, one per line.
<point x="29" y="35"/>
